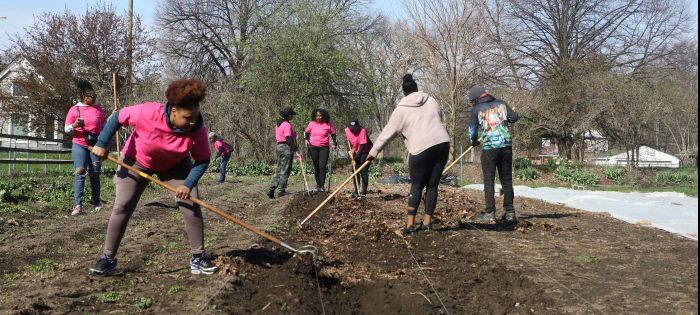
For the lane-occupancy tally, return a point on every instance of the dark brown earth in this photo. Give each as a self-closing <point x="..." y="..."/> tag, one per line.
<point x="555" y="260"/>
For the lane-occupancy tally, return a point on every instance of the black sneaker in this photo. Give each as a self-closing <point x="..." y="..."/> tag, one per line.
<point x="282" y="193"/>
<point x="271" y="193"/>
<point x="409" y="231"/>
<point x="509" y="216"/>
<point x="201" y="265"/>
<point x="104" y="267"/>
<point x="486" y="217"/>
<point x="426" y="227"/>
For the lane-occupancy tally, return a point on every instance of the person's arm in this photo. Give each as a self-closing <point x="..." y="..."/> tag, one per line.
<point x="335" y="141"/>
<point x="390" y="131"/>
<point x="473" y="127"/>
<point x="196" y="173"/>
<point x="70" y="121"/>
<point x="292" y="143"/>
<point x="110" y="128"/>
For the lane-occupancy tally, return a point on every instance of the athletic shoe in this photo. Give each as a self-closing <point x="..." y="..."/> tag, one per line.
<point x="425" y="227"/>
<point x="486" y="217"/>
<point x="509" y="216"/>
<point x="201" y="265"/>
<point x="77" y="210"/>
<point x="104" y="266"/>
<point x="271" y="193"/>
<point x="98" y="207"/>
<point x="409" y="231"/>
<point x="282" y="193"/>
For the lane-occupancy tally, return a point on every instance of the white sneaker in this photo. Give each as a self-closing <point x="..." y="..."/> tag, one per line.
<point x="98" y="207"/>
<point x="77" y="210"/>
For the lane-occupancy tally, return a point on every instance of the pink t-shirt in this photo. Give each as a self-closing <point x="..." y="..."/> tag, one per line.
<point x="220" y="143"/>
<point x="91" y="115"/>
<point x="153" y="144"/>
<point x="318" y="132"/>
<point x="357" y="140"/>
<point x="283" y="131"/>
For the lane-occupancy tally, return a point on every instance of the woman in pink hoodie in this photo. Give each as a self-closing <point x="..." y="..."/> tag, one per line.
<point x="418" y="118"/>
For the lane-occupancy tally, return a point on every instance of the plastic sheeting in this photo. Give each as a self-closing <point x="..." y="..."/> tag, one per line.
<point x="670" y="211"/>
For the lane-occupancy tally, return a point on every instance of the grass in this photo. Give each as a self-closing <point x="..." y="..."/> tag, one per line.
<point x="587" y="259"/>
<point x="144" y="303"/>
<point x="44" y="267"/>
<point x="175" y="289"/>
<point x="110" y="297"/>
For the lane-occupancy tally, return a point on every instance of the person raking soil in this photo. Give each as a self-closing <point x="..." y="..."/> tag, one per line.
<point x="165" y="140"/>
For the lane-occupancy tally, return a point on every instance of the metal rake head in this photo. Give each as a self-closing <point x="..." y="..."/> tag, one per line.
<point x="308" y="249"/>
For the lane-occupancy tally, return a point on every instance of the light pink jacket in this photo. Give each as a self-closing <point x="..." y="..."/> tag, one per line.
<point x="418" y="118"/>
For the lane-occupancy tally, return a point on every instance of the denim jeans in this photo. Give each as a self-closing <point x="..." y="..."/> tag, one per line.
<point x="224" y="162"/>
<point x="92" y="166"/>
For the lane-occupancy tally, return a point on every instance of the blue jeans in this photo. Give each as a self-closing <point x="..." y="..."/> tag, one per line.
<point x="224" y="162"/>
<point x="86" y="163"/>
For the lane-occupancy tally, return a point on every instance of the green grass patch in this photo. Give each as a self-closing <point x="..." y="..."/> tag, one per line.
<point x="44" y="267"/>
<point x="587" y="259"/>
<point x="175" y="289"/>
<point x="144" y="303"/>
<point x="111" y="297"/>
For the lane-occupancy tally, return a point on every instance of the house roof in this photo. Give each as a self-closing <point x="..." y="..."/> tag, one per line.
<point x="17" y="63"/>
<point x="646" y="154"/>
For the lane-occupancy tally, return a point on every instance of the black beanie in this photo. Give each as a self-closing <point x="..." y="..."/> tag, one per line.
<point x="409" y="85"/>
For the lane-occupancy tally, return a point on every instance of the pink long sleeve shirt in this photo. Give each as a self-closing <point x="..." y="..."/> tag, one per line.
<point x="93" y="118"/>
<point x="154" y="144"/>
<point x="318" y="133"/>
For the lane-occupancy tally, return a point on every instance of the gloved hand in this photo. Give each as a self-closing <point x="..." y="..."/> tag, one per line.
<point x="370" y="158"/>
<point x="299" y="157"/>
<point x="100" y="152"/>
<point x="332" y="146"/>
<point x="307" y="143"/>
<point x="476" y="143"/>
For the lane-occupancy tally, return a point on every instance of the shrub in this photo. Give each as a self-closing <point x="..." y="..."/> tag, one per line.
<point x="671" y="178"/>
<point x="374" y="172"/>
<point x="521" y="163"/>
<point x="397" y="168"/>
<point x="526" y="174"/>
<point x="584" y="177"/>
<point x="566" y="172"/>
<point x="615" y="174"/>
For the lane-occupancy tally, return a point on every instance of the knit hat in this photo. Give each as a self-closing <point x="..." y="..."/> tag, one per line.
<point x="212" y="135"/>
<point x="287" y="111"/>
<point x="354" y="125"/>
<point x="475" y="92"/>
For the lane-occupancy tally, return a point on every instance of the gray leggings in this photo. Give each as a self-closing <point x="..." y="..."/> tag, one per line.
<point x="130" y="186"/>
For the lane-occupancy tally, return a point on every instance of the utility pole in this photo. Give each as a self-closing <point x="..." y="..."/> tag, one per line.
<point x="129" y="47"/>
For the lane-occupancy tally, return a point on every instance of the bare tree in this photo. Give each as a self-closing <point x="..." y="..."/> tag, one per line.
<point x="63" y="47"/>
<point x="565" y="40"/>
<point x="447" y="34"/>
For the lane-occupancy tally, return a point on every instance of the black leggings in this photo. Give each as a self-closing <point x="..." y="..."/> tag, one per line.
<point x="319" y="157"/>
<point x="360" y="158"/>
<point x="425" y="170"/>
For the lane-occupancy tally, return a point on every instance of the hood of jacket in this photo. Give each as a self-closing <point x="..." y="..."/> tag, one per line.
<point x="415" y="99"/>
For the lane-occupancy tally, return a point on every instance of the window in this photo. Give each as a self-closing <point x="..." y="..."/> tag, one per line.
<point x="20" y="89"/>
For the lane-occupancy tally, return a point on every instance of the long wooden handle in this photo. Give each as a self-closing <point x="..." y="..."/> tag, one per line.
<point x="303" y="173"/>
<point x="202" y="203"/>
<point x="354" y="166"/>
<point x="456" y="160"/>
<point x="335" y="192"/>
<point x="114" y="89"/>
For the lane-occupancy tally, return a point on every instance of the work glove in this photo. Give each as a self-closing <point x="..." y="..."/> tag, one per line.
<point x="299" y="157"/>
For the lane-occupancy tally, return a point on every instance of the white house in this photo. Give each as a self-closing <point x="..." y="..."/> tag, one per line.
<point x="648" y="157"/>
<point x="21" y="123"/>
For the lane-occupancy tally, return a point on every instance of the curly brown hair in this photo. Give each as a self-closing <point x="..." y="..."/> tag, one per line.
<point x="186" y="93"/>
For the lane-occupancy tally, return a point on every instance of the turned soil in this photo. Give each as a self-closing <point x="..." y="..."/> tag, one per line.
<point x="554" y="260"/>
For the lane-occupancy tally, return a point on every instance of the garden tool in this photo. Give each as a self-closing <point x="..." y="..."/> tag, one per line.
<point x="447" y="168"/>
<point x="307" y="249"/>
<point x="114" y="88"/>
<point x="365" y="164"/>
<point x="303" y="173"/>
<point x="354" y="168"/>
<point x="330" y="169"/>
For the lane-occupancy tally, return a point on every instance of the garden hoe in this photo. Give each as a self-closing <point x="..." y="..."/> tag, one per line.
<point x="456" y="160"/>
<point x="365" y="164"/>
<point x="303" y="173"/>
<point x="354" y="168"/>
<point x="308" y="249"/>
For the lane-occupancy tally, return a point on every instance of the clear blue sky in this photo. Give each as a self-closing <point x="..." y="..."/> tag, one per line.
<point x="20" y="13"/>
